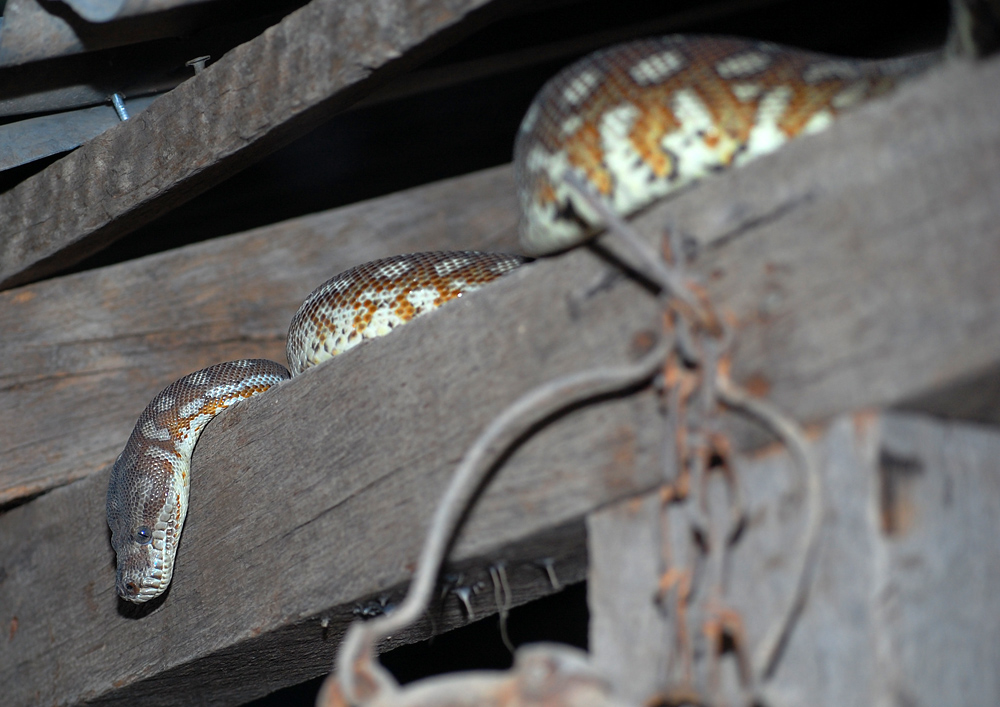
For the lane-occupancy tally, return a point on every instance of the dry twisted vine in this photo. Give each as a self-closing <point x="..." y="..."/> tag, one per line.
<point x="690" y="311"/>
<point x="356" y="657"/>
<point x="693" y="335"/>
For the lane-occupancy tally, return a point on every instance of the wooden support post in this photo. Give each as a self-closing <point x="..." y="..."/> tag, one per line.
<point x="902" y="607"/>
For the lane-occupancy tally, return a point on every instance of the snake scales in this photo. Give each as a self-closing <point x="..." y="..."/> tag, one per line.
<point x="637" y="121"/>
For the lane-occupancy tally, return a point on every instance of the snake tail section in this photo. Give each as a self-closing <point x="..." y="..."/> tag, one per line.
<point x="148" y="490"/>
<point x="640" y="120"/>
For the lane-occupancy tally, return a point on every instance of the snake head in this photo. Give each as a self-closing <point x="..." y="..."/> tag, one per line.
<point x="148" y="489"/>
<point x="145" y="518"/>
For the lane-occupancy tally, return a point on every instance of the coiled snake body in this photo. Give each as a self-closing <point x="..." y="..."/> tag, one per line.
<point x="636" y="122"/>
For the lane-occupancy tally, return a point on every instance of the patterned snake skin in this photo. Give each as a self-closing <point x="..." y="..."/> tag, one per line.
<point x="148" y="491"/>
<point x="643" y="119"/>
<point x="637" y="121"/>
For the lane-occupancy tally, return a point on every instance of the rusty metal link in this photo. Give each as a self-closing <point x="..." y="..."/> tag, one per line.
<point x="697" y="387"/>
<point x="690" y="362"/>
<point x="693" y="591"/>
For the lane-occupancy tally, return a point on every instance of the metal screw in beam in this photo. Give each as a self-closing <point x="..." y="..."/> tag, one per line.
<point x="118" y="101"/>
<point x="198" y="63"/>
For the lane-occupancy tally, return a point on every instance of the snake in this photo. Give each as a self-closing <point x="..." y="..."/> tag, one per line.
<point x="636" y="122"/>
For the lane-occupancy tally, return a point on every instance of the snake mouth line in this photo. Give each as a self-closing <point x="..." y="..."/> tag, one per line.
<point x="148" y="582"/>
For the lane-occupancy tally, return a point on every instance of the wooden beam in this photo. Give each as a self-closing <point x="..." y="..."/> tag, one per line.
<point x="290" y="530"/>
<point x="903" y="600"/>
<point x="837" y="257"/>
<point x="317" y="61"/>
<point x="83" y="354"/>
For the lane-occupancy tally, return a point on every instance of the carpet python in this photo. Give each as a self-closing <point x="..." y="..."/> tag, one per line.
<point x="637" y="121"/>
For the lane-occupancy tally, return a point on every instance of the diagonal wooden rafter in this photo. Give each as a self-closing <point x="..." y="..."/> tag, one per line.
<point x="317" y="61"/>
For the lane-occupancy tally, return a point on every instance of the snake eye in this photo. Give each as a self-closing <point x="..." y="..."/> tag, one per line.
<point x="143" y="535"/>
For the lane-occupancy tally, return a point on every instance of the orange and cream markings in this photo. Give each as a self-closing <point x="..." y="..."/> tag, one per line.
<point x="373" y="299"/>
<point x="148" y="491"/>
<point x="641" y="120"/>
<point x="150" y="480"/>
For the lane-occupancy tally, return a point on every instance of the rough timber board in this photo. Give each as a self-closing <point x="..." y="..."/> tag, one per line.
<point x="321" y="542"/>
<point x="83" y="354"/>
<point x="316" y="61"/>
<point x="288" y="524"/>
<point x="120" y="334"/>
<point x="900" y="610"/>
<point x="628" y="633"/>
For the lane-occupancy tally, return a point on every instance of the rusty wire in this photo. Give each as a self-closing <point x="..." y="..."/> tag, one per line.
<point x="356" y="656"/>
<point x="694" y="399"/>
<point x="691" y="360"/>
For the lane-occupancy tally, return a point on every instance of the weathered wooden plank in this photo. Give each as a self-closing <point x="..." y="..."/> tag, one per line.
<point x="898" y="609"/>
<point x="350" y="457"/>
<point x="33" y="32"/>
<point x="318" y="528"/>
<point x="32" y="139"/>
<point x="318" y="60"/>
<point x="73" y="344"/>
<point x="71" y="330"/>
<point x="630" y="635"/>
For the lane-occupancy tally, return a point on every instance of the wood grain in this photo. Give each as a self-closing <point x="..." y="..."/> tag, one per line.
<point x="893" y="611"/>
<point x="317" y="61"/>
<point x="84" y="354"/>
<point x="837" y="257"/>
<point x="321" y="520"/>
<point x="630" y="635"/>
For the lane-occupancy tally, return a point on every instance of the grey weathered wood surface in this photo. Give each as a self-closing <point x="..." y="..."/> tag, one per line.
<point x="83" y="354"/>
<point x="899" y="612"/>
<point x="836" y="256"/>
<point x="316" y="61"/>
<point x="120" y="334"/>
<point x="630" y="635"/>
<point x="322" y="519"/>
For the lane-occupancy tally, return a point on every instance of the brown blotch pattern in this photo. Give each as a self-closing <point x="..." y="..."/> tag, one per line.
<point x="699" y="59"/>
<point x="340" y="313"/>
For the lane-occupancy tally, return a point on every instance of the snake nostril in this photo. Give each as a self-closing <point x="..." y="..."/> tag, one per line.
<point x="131" y="588"/>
